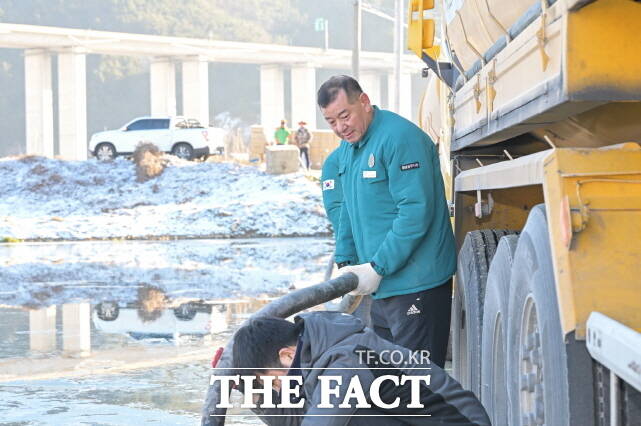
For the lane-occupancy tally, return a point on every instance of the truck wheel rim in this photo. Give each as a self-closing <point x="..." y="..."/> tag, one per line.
<point x="531" y="382"/>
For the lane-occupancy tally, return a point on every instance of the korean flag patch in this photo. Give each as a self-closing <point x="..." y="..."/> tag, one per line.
<point x="328" y="184"/>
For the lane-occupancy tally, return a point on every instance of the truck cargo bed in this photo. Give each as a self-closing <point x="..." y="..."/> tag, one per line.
<point x="559" y="77"/>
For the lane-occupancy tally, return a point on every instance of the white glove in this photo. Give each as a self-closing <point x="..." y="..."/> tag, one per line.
<point x="368" y="279"/>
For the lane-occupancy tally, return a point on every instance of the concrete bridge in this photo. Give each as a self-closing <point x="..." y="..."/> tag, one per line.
<point x="71" y="46"/>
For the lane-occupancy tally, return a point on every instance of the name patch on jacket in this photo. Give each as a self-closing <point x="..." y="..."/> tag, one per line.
<point x="409" y="166"/>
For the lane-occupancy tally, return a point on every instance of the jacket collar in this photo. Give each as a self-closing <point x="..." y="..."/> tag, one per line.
<point x="376" y="120"/>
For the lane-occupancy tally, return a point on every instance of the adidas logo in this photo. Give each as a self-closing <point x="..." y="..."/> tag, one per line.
<point x="413" y="310"/>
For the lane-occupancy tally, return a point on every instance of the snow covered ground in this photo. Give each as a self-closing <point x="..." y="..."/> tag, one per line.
<point x="208" y="233"/>
<point x="45" y="199"/>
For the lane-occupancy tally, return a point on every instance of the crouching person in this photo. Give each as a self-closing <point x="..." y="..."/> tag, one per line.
<point x="327" y="368"/>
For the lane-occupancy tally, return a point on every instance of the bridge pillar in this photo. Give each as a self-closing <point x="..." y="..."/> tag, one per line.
<point x="162" y="78"/>
<point x="405" y="104"/>
<point x="72" y="104"/>
<point x="370" y="82"/>
<point x="38" y="102"/>
<point x="272" y="99"/>
<point x="304" y="95"/>
<point x="195" y="85"/>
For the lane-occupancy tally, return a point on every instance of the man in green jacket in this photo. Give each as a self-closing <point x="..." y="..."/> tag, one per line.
<point x="281" y="134"/>
<point x="394" y="230"/>
<point x="333" y="202"/>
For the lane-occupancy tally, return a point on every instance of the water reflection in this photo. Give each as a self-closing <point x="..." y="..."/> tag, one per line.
<point x="42" y="329"/>
<point x="80" y="330"/>
<point x="155" y="316"/>
<point x="123" y="351"/>
<point x="157" y="352"/>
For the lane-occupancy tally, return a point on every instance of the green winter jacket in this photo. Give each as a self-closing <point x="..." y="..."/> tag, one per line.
<point x="281" y="134"/>
<point x="332" y="190"/>
<point x="395" y="212"/>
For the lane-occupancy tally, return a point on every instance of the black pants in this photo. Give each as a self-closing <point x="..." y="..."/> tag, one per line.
<point x="419" y="321"/>
<point x="304" y="153"/>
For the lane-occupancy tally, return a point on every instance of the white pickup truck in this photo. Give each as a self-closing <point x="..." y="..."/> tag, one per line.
<point x="183" y="137"/>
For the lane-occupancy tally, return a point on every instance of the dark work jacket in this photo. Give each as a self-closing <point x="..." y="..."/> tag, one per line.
<point x="330" y="345"/>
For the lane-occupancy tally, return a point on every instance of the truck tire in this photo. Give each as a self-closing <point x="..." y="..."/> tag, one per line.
<point x="629" y="399"/>
<point x="183" y="150"/>
<point x="537" y="359"/>
<point x="467" y="304"/>
<point x="493" y="337"/>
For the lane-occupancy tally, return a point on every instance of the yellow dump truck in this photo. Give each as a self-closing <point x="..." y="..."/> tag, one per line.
<point x="536" y="109"/>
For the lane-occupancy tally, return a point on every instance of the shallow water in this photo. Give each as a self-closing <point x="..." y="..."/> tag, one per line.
<point x="122" y="333"/>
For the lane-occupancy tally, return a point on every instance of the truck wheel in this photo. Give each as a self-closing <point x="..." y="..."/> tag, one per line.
<point x="537" y="359"/>
<point x="467" y="305"/>
<point x="493" y="337"/>
<point x="470" y="275"/>
<point x="183" y="150"/>
<point x="105" y="151"/>
<point x="631" y="399"/>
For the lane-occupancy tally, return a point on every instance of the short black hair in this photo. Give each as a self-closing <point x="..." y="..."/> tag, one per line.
<point x="332" y="87"/>
<point x="256" y="344"/>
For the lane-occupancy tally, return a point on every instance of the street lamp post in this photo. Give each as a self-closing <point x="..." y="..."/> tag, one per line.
<point x="398" y="49"/>
<point x="399" y="26"/>
<point x="356" y="48"/>
<point x="326" y="34"/>
<point x="322" y="24"/>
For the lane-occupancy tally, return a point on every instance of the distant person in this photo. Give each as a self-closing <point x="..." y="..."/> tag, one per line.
<point x="282" y="134"/>
<point x="303" y="138"/>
